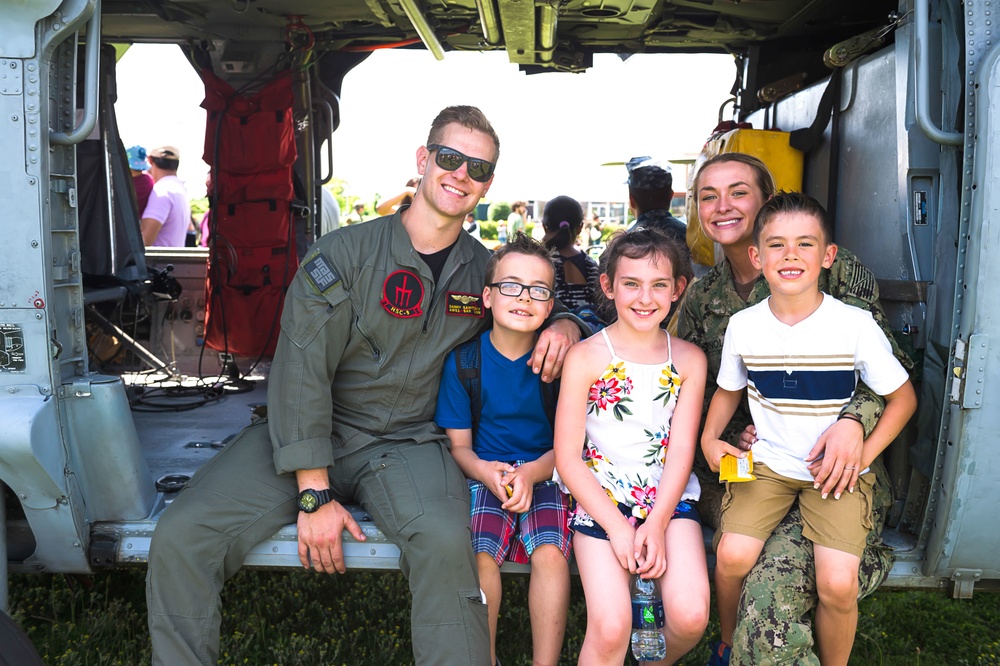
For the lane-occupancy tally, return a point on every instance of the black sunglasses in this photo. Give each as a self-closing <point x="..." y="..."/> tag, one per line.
<point x="450" y="159"/>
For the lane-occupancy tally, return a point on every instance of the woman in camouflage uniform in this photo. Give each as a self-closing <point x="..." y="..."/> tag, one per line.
<point x="779" y="595"/>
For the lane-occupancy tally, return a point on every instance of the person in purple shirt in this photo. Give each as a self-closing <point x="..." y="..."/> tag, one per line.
<point x="167" y="215"/>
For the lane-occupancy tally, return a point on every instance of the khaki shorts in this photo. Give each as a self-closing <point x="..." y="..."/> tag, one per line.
<point x="754" y="508"/>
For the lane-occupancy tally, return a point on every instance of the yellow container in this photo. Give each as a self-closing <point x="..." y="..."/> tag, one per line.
<point x="771" y="147"/>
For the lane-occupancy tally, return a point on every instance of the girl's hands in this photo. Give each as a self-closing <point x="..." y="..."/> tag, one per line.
<point x="651" y="549"/>
<point x="622" y="539"/>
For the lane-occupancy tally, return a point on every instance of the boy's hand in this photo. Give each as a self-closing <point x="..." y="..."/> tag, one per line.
<point x="520" y="492"/>
<point x="495" y="477"/>
<point x="714" y="449"/>
<point x="835" y="461"/>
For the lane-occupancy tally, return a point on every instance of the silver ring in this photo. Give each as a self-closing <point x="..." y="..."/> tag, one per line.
<point x="850" y="467"/>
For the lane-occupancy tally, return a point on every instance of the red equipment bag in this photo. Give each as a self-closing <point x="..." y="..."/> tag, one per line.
<point x="252" y="224"/>
<point x="245" y="292"/>
<point x="250" y="143"/>
<point x="261" y="186"/>
<point x="255" y="132"/>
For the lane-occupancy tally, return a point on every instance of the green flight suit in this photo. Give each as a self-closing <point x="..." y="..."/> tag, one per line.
<point x="364" y="334"/>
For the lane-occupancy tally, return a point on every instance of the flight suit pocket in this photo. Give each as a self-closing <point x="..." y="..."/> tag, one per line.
<point x="306" y="316"/>
<point x="400" y="502"/>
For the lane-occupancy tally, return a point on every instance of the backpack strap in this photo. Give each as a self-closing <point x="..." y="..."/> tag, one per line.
<point x="468" y="361"/>
<point x="550" y="394"/>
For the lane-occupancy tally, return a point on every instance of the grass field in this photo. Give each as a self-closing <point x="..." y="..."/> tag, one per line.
<point x="362" y="618"/>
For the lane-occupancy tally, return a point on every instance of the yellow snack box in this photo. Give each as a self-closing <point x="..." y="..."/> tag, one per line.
<point x="736" y="469"/>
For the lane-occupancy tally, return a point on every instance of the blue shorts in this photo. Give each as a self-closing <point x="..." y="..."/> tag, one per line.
<point x="580" y="521"/>
<point x="507" y="535"/>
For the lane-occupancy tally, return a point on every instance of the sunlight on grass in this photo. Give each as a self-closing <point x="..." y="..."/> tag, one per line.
<point x="301" y="619"/>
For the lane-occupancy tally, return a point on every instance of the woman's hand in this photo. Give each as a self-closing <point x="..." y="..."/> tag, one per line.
<point x="835" y="461"/>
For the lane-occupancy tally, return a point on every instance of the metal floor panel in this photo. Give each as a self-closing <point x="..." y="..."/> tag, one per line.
<point x="179" y="442"/>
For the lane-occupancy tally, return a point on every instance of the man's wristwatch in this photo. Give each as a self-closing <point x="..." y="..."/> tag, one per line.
<point x="309" y="500"/>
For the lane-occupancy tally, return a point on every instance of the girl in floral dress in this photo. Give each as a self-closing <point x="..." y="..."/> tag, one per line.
<point x="626" y="426"/>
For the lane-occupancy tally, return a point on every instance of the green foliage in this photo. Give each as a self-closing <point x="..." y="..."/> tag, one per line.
<point x="487" y="230"/>
<point x="362" y="618"/>
<point x="199" y="206"/>
<point x="498" y="210"/>
<point x="608" y="230"/>
<point x="338" y="187"/>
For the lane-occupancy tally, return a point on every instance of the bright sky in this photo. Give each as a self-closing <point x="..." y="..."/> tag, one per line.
<point x="556" y="130"/>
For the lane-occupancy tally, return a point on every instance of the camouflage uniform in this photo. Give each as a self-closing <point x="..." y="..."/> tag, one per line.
<point x="774" y="623"/>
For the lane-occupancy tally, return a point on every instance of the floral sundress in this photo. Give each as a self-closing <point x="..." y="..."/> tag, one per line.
<point x="628" y="431"/>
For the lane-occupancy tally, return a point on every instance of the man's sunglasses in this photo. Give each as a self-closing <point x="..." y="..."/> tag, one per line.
<point x="450" y="159"/>
<point x="515" y="290"/>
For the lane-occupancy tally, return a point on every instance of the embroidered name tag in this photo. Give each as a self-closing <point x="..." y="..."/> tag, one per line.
<point x="464" y="305"/>
<point x="321" y="273"/>
<point x="402" y="294"/>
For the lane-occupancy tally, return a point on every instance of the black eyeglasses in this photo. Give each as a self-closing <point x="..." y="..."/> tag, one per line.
<point x="515" y="289"/>
<point x="450" y="159"/>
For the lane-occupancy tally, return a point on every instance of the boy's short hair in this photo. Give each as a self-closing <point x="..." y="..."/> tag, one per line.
<point x="520" y="244"/>
<point x="792" y="202"/>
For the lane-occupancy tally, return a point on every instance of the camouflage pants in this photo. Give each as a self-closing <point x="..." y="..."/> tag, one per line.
<point x="774" y="625"/>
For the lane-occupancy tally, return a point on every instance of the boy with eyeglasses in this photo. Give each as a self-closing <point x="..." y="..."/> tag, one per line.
<point x="501" y="435"/>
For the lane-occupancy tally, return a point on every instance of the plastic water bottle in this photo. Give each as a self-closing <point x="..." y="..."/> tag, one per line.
<point x="648" y="643"/>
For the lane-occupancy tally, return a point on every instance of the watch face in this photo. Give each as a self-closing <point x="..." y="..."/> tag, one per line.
<point x="308" y="501"/>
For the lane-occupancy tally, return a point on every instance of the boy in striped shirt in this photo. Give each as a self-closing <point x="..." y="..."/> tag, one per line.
<point x="799" y="355"/>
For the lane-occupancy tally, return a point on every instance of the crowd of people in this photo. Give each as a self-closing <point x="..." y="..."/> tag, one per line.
<point x="568" y="420"/>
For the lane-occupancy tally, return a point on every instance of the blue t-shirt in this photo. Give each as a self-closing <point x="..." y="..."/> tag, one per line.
<point x="513" y="425"/>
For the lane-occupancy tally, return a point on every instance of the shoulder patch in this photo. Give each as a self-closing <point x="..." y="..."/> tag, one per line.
<point x="321" y="273"/>
<point x="854" y="280"/>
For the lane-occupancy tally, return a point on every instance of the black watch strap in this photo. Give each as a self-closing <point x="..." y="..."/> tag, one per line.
<point x="309" y="500"/>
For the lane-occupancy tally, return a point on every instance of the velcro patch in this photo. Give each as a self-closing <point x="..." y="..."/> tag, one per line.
<point x="464" y="305"/>
<point x="321" y="273"/>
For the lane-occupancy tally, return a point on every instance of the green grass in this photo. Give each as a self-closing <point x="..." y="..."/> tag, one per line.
<point x="298" y="618"/>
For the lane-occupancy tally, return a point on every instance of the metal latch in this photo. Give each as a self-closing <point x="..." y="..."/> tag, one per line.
<point x="844" y="52"/>
<point x="81" y="388"/>
<point x="968" y="385"/>
<point x="965" y="580"/>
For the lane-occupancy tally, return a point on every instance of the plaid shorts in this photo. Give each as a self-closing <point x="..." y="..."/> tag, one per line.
<point x="514" y="536"/>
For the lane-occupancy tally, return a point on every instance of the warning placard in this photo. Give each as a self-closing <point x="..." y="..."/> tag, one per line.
<point x="11" y="348"/>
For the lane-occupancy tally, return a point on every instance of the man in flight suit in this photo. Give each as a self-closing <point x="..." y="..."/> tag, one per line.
<point x="366" y="326"/>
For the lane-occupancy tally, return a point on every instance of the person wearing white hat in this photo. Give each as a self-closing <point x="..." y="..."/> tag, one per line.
<point x="167" y="216"/>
